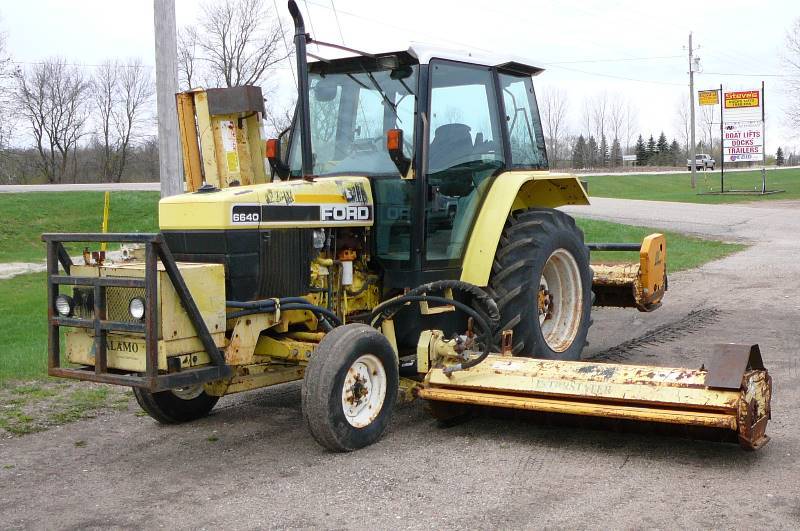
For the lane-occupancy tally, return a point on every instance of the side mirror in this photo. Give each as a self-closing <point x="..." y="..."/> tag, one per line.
<point x="273" y="153"/>
<point x="394" y="144"/>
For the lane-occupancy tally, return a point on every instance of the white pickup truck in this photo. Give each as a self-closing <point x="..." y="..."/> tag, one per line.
<point x="702" y="161"/>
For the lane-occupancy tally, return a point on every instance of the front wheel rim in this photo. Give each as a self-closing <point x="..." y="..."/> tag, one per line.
<point x="364" y="391"/>
<point x="560" y="300"/>
<point x="189" y="393"/>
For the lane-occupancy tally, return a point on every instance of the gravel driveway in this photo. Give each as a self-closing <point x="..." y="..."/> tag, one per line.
<point x="253" y="465"/>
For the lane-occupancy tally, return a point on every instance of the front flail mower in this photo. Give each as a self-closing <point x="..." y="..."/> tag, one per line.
<point x="404" y="236"/>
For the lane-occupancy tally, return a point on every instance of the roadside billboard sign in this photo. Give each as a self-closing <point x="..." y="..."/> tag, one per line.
<point x="740" y="99"/>
<point x="708" y="97"/>
<point x="743" y="141"/>
<point x="742" y="105"/>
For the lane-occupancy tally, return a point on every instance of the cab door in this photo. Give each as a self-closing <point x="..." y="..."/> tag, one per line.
<point x="466" y="148"/>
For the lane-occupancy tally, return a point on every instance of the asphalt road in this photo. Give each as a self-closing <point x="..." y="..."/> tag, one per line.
<point x="91" y="187"/>
<point x="155" y="187"/>
<point x="252" y="464"/>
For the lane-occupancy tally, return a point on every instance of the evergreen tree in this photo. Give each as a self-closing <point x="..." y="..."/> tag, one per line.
<point x="579" y="153"/>
<point x="651" y="151"/>
<point x="675" y="153"/>
<point x="603" y="154"/>
<point x="641" y="152"/>
<point x="591" y="152"/>
<point x="616" y="153"/>
<point x="779" y="160"/>
<point x="662" y="146"/>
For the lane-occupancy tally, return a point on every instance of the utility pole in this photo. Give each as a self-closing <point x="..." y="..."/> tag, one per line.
<point x="693" y="145"/>
<point x="169" y="155"/>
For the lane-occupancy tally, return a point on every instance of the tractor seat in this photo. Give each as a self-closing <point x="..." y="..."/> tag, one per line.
<point x="451" y="145"/>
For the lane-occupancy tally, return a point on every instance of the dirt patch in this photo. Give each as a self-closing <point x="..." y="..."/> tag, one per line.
<point x="36" y="405"/>
<point x="12" y="269"/>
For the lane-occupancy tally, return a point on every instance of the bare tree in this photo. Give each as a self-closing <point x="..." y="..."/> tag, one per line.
<point x="553" y="107"/>
<point x="187" y="56"/>
<point x="631" y="124"/>
<point x="278" y="120"/>
<point x="5" y="92"/>
<point x="586" y="118"/>
<point x="599" y="108"/>
<point x="707" y="123"/>
<point x="683" y="122"/>
<point x="51" y="96"/>
<point x="236" y="44"/>
<point x="616" y="117"/>
<point x="121" y="94"/>
<point x="791" y="59"/>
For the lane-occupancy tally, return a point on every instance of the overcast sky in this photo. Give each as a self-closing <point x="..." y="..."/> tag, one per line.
<point x="586" y="47"/>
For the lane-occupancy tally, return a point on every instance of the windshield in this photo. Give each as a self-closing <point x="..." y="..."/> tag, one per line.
<point x="350" y="114"/>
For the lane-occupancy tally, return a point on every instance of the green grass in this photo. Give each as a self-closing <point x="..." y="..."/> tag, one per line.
<point x="25" y="217"/>
<point x="683" y="252"/>
<point x="676" y="186"/>
<point x="23" y="320"/>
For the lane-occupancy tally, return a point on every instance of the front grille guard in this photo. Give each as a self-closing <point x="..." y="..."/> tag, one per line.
<point x="155" y="249"/>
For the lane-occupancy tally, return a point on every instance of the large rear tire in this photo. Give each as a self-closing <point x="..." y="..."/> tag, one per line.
<point x="176" y="406"/>
<point x="542" y="283"/>
<point x="350" y="388"/>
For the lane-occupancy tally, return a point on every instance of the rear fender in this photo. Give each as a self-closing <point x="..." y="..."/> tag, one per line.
<point x="512" y="191"/>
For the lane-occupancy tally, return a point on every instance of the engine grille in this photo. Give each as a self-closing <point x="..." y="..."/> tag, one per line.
<point x="285" y="262"/>
<point x="117" y="301"/>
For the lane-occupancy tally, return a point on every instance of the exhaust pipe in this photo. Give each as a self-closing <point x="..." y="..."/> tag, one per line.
<point x="303" y="112"/>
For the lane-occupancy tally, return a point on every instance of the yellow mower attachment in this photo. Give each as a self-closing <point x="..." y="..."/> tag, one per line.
<point x="639" y="284"/>
<point x="731" y="393"/>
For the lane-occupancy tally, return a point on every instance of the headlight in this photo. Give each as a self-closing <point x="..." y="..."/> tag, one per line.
<point x="64" y="305"/>
<point x="136" y="308"/>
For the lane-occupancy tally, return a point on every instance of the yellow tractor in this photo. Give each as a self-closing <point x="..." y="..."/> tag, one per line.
<point x="402" y="239"/>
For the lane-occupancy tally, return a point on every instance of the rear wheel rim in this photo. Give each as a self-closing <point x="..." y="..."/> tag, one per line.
<point x="560" y="300"/>
<point x="364" y="391"/>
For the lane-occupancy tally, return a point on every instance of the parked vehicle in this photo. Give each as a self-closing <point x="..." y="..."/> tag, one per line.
<point x="702" y="161"/>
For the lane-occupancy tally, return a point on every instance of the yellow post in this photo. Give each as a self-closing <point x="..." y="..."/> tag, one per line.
<point x="104" y="228"/>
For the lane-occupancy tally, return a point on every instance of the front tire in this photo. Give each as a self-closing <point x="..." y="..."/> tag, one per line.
<point x="350" y="388"/>
<point x="542" y="282"/>
<point x="176" y="406"/>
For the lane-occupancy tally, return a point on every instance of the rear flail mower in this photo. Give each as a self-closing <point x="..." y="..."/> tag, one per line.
<point x="402" y="239"/>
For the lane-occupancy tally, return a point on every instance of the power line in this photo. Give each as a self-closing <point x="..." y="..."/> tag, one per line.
<point x="612" y="76"/>
<point x="336" y="15"/>
<point x="617" y="60"/>
<point x="748" y="75"/>
<point x="80" y="64"/>
<point x="311" y="23"/>
<point x="285" y="44"/>
<point x="468" y="46"/>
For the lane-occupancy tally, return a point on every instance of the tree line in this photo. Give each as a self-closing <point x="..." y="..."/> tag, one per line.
<point x="62" y="122"/>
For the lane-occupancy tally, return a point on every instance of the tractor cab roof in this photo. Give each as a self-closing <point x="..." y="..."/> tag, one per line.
<point x="423" y="53"/>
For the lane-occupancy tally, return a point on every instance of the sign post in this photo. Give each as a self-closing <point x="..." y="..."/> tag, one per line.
<point x="764" y="141"/>
<point x="714" y="97"/>
<point x="721" y="144"/>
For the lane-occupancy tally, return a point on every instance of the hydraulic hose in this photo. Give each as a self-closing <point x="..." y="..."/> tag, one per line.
<point x="418" y="295"/>
<point x="480" y="296"/>
<point x="288" y="303"/>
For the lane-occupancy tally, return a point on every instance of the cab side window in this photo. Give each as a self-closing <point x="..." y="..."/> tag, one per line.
<point x="524" y="125"/>
<point x="465" y="148"/>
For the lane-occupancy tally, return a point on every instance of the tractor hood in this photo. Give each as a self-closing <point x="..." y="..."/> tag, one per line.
<point x="323" y="202"/>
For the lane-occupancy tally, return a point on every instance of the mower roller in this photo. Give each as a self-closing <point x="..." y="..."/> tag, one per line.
<point x="400" y="239"/>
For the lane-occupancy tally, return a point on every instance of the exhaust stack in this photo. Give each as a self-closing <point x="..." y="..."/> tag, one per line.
<point x="303" y="113"/>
